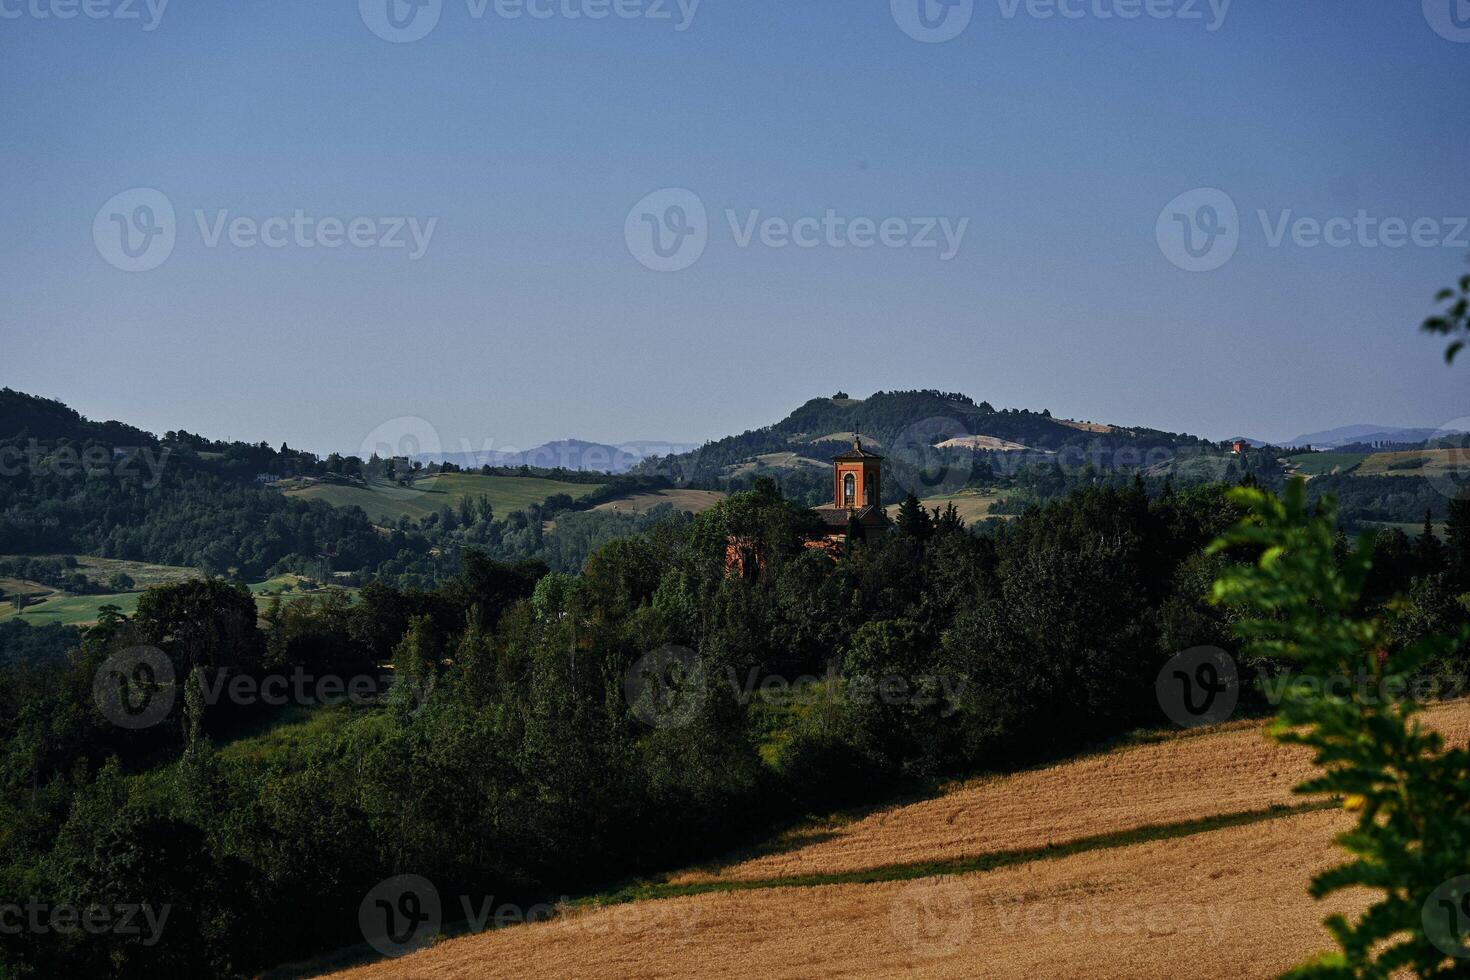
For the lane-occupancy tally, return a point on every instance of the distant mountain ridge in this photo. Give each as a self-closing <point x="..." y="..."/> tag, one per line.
<point x="1348" y="434"/>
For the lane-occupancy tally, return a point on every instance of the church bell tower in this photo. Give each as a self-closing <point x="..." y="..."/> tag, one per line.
<point x="857" y="477"/>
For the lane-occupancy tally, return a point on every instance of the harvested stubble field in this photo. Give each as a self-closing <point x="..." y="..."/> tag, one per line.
<point x="1231" y="903"/>
<point x="1094" y="870"/>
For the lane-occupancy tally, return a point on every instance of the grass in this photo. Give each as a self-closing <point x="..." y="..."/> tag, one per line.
<point x="79" y="610"/>
<point x="775" y="461"/>
<point x="283" y="735"/>
<point x="385" y="502"/>
<point x="972" y="505"/>
<point x="1325" y="464"/>
<point x="84" y="610"/>
<point x="142" y="573"/>
<point x="72" y="610"/>
<point x="1413" y="530"/>
<point x="1123" y="863"/>
<point x="647" y="891"/>
<point x="19" y="586"/>
<point x="1418" y="462"/>
<point x="694" y="501"/>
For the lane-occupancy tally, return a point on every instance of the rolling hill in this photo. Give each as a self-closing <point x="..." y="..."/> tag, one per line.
<point x="907" y="425"/>
<point x="385" y="502"/>
<point x="1185" y="857"/>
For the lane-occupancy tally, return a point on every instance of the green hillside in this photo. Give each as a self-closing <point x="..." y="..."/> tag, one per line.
<point x="83" y="610"/>
<point x="386" y="502"/>
<point x="1320" y="464"/>
<point x="904" y="424"/>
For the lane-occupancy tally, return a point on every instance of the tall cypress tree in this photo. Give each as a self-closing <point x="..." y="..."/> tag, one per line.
<point x="1457" y="530"/>
<point x="1430" y="551"/>
<point x="913" y="519"/>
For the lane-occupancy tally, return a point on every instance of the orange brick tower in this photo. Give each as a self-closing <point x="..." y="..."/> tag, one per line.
<point x="857" y="478"/>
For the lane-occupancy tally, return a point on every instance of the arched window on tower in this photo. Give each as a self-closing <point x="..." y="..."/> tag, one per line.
<point x="868" y="487"/>
<point x="849" y="490"/>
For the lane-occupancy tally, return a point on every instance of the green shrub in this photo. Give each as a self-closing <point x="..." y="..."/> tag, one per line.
<point x="1411" y="842"/>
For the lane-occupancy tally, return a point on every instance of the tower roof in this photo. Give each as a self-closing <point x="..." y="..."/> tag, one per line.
<point x="856" y="452"/>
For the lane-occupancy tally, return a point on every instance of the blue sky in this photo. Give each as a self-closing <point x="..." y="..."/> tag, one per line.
<point x="1057" y="140"/>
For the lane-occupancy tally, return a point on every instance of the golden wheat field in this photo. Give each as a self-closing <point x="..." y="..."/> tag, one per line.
<point x="1182" y="778"/>
<point x="1220" y="903"/>
<point x="1230" y="903"/>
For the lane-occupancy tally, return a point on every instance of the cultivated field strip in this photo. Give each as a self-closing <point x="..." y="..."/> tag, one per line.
<point x="1179" y="779"/>
<point x="1229" y="900"/>
<point x="1228" y="903"/>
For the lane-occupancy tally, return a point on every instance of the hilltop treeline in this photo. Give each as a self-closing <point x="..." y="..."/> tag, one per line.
<point x="513" y="754"/>
<point x="905" y="422"/>
<point x="70" y="485"/>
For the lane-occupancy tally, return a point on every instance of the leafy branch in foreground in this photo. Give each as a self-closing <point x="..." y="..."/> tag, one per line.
<point x="1455" y="319"/>
<point x="1411" y="795"/>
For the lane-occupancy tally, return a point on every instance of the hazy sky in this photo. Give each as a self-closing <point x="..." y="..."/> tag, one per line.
<point x="1056" y="144"/>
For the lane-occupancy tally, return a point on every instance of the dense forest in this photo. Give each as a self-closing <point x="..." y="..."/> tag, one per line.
<point x="506" y="752"/>
<point x="70" y="485"/>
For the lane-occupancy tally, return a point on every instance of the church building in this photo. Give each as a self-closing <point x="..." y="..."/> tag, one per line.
<point x="857" y="496"/>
